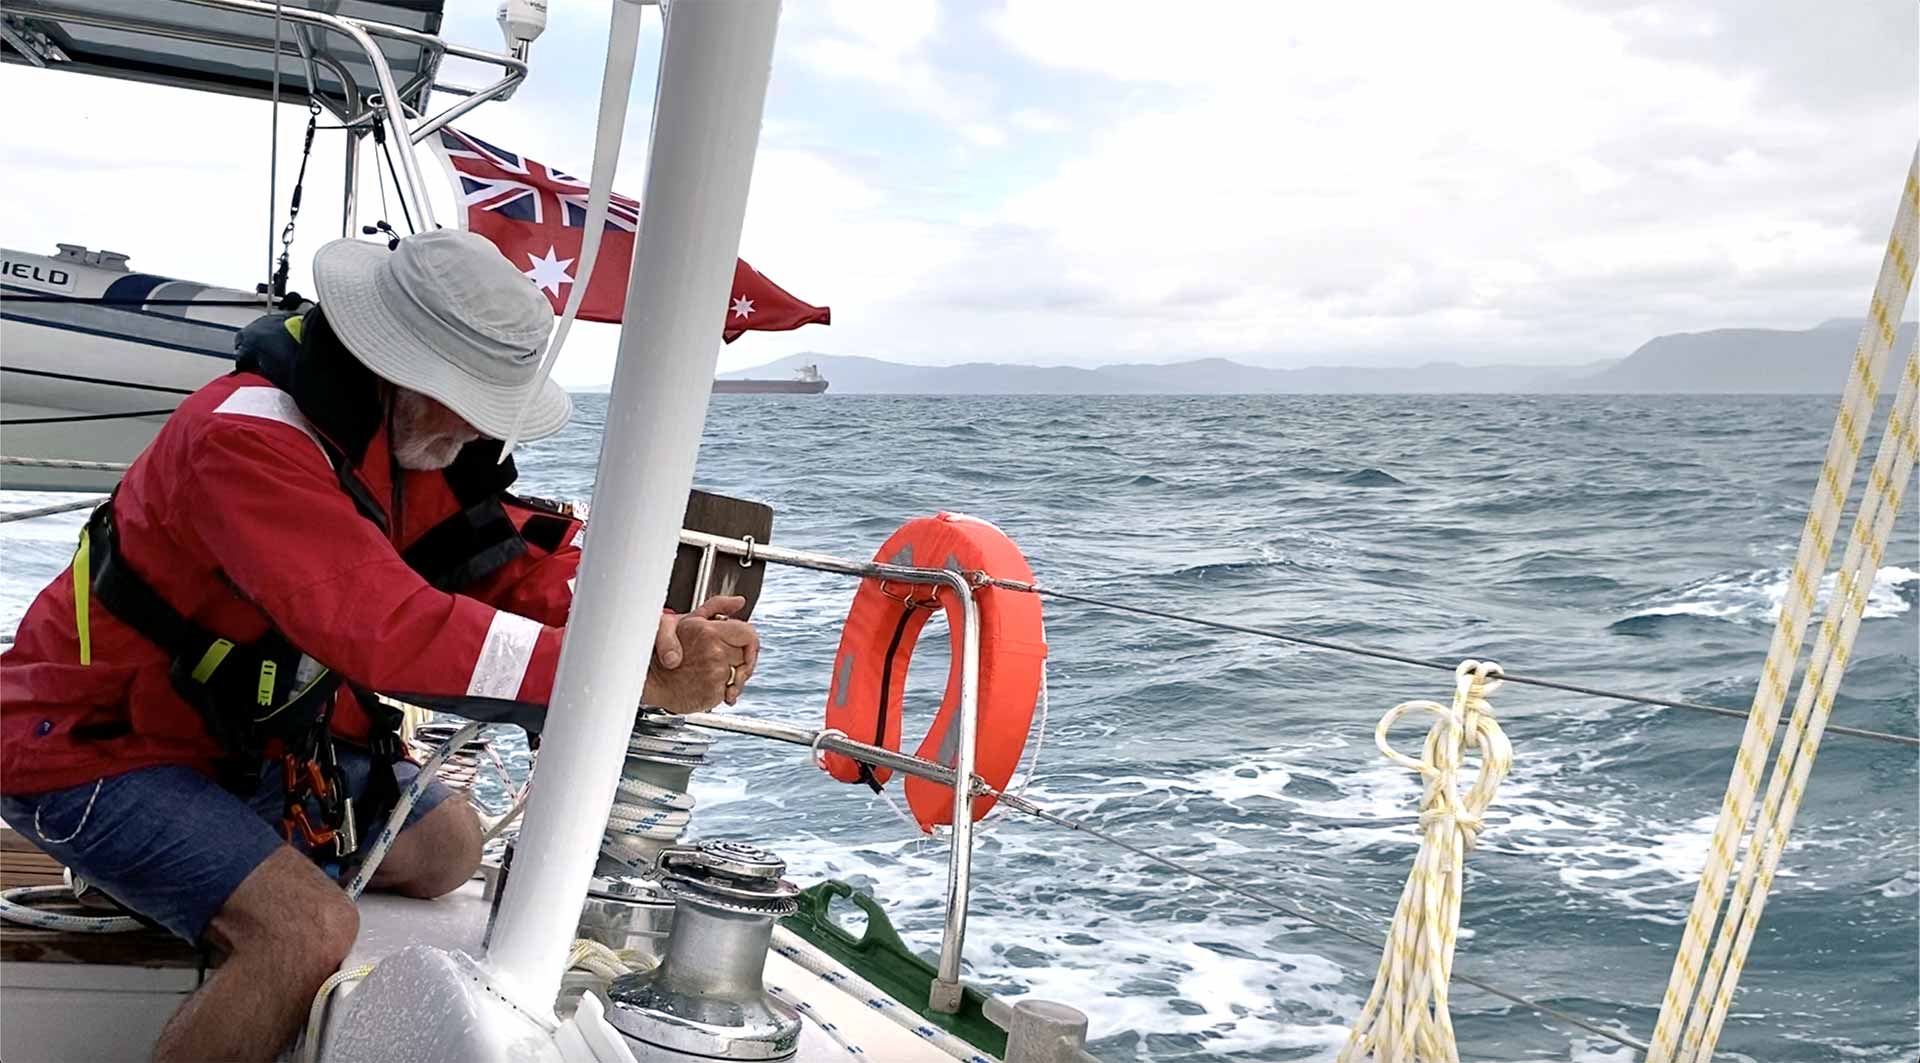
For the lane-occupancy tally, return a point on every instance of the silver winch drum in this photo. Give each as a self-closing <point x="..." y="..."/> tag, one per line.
<point x="706" y="999"/>
<point x="627" y="913"/>
<point x="627" y="907"/>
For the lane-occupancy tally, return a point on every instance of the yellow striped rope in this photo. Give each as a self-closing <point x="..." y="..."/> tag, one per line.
<point x="1829" y="499"/>
<point x="1406" y="1018"/>
<point x="1786" y="787"/>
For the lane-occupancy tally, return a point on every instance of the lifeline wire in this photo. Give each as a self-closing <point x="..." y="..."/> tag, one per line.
<point x="1419" y="662"/>
<point x="48" y="511"/>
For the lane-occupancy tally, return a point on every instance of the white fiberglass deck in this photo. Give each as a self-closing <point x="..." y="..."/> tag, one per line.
<point x="457" y="922"/>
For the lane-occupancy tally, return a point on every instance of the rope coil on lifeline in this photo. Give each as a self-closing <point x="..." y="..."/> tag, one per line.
<point x="1406" y="1017"/>
<point x="1697" y="995"/>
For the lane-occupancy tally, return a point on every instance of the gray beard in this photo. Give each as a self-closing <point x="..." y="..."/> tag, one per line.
<point x="418" y="450"/>
<point x="425" y="453"/>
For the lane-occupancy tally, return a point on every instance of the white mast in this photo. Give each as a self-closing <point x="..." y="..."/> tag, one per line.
<point x="706" y="124"/>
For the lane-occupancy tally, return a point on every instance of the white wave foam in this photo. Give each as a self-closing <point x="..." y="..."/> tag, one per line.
<point x="1595" y="842"/>
<point x="1755" y="597"/>
<point x="1239" y="990"/>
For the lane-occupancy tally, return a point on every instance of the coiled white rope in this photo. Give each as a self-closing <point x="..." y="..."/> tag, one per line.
<point x="1695" y="1006"/>
<point x="1406" y="1017"/>
<point x="642" y="810"/>
<point x="14" y="903"/>
<point x="645" y="812"/>
<point x="15" y="908"/>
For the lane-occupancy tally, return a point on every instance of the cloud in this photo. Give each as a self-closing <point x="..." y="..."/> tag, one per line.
<point x="1034" y="120"/>
<point x="1079" y="181"/>
<point x="1447" y="183"/>
<point x="889" y="25"/>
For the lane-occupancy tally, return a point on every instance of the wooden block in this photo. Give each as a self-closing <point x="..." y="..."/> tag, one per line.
<point x="734" y="518"/>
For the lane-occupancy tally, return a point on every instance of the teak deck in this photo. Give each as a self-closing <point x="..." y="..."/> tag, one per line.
<point x="23" y="864"/>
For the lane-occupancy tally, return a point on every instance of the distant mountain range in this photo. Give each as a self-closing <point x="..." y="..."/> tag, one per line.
<point x="1721" y="361"/>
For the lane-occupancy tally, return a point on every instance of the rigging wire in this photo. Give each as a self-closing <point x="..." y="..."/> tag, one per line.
<point x="1419" y="662"/>
<point x="101" y="300"/>
<point x="379" y="175"/>
<point x="78" y="417"/>
<point x="273" y="145"/>
<point x="81" y="379"/>
<point x="399" y="187"/>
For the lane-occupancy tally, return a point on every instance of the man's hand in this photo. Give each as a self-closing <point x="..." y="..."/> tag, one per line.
<point x="702" y="658"/>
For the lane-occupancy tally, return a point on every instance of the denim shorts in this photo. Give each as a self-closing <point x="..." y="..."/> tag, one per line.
<point x="171" y="843"/>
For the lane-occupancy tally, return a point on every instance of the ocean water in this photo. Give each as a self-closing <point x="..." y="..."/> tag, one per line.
<point x="1637" y="543"/>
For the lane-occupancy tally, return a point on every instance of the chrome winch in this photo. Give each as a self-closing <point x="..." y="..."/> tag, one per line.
<point x="706" y="999"/>
<point x="626" y="908"/>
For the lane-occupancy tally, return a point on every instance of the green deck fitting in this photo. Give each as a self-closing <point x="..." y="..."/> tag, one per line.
<point x="880" y="957"/>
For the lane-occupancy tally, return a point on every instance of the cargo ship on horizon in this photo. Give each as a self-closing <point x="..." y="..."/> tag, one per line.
<point x="805" y="381"/>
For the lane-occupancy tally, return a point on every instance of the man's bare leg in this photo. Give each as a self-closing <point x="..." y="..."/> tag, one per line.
<point x="286" y="929"/>
<point x="434" y="856"/>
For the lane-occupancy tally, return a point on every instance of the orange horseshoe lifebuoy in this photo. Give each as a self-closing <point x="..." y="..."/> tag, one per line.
<point x="870" y="669"/>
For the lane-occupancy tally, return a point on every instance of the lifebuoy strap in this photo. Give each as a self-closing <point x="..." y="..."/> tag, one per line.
<point x="886" y="690"/>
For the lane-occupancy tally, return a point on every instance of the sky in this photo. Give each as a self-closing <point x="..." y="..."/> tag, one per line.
<point x="1083" y="182"/>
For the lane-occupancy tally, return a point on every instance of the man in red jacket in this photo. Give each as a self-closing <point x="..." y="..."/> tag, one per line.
<point x="190" y="715"/>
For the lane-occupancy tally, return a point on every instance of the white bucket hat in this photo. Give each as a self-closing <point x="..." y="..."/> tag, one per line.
<point x="445" y="314"/>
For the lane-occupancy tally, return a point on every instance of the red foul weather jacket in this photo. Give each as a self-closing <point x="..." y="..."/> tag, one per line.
<point x="435" y="585"/>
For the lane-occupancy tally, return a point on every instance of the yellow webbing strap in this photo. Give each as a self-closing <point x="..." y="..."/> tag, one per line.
<point x="265" y="698"/>
<point x="268" y="672"/>
<point x="82" y="585"/>
<point x="211" y="659"/>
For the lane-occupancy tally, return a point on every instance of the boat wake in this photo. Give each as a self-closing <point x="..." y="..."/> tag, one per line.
<point x="1755" y="597"/>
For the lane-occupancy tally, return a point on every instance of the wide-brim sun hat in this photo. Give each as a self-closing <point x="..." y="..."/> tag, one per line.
<point x="445" y="314"/>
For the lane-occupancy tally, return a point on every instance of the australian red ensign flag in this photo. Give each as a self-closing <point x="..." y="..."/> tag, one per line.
<point x="537" y="215"/>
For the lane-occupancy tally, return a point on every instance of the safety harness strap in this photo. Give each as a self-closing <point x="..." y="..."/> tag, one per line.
<point x="248" y="694"/>
<point x="466" y="547"/>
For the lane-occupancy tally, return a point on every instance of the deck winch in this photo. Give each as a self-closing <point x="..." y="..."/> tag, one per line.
<point x="706" y="999"/>
<point x="626" y="908"/>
